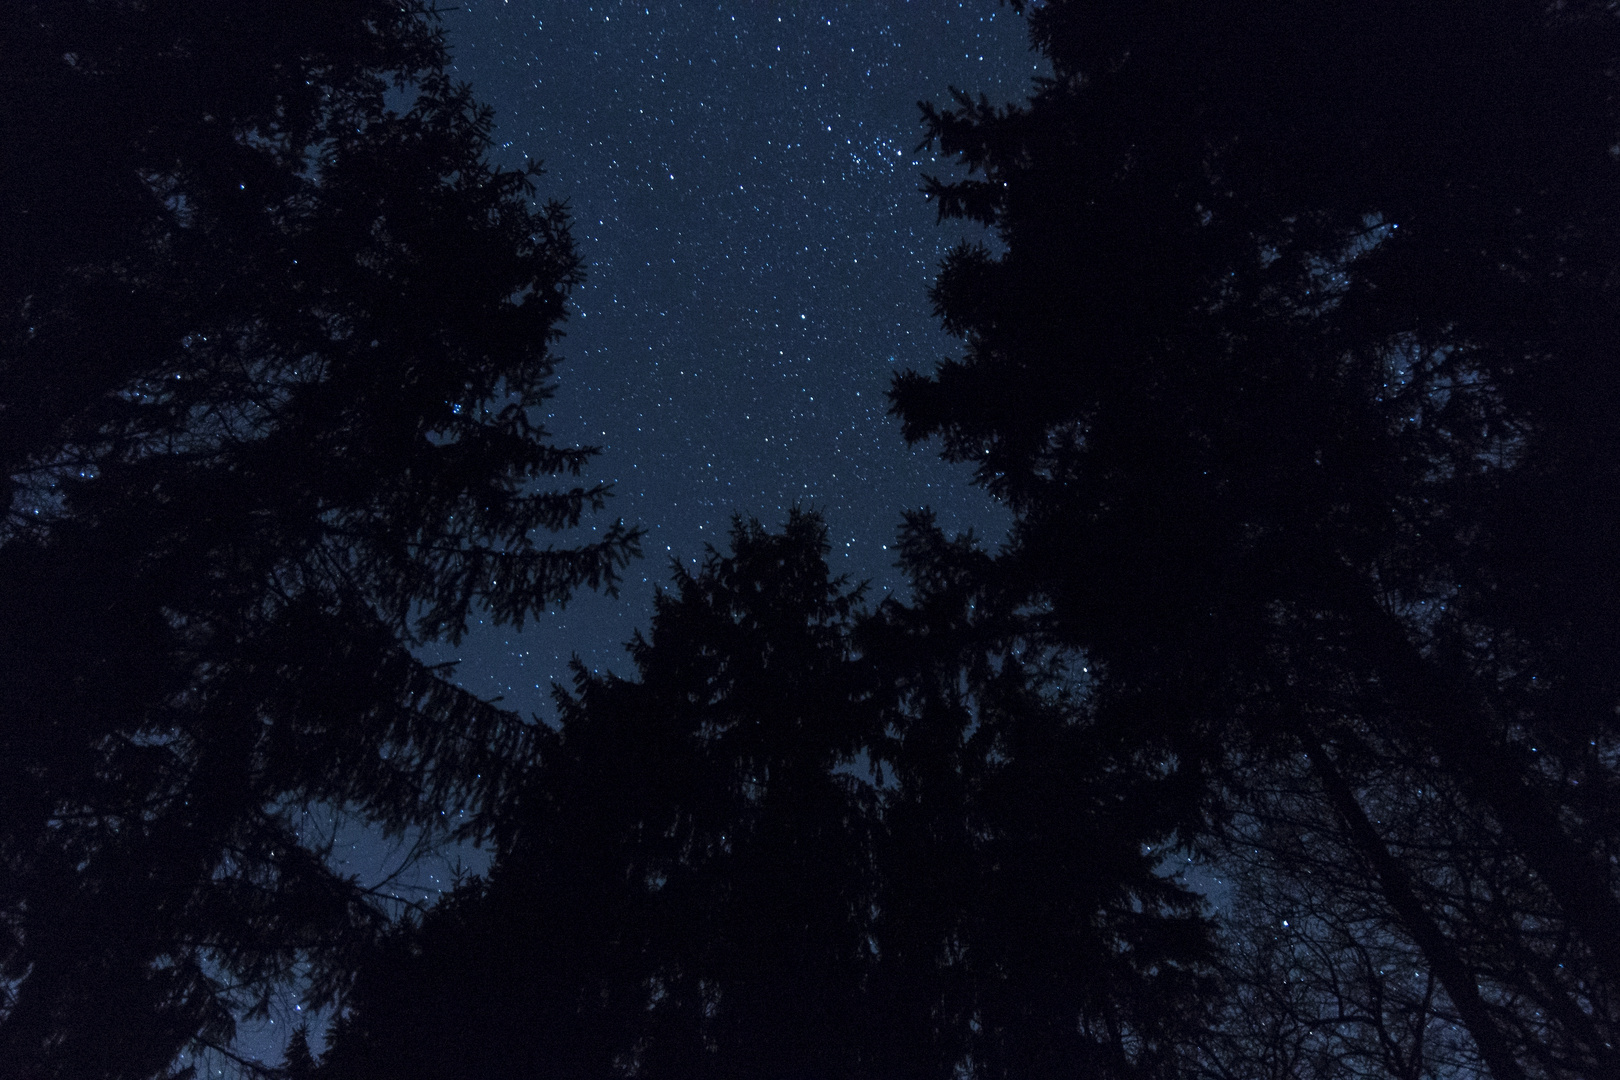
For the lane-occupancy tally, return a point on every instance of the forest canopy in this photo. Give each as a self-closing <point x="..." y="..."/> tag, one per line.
<point x="1297" y="371"/>
<point x="1292" y="361"/>
<point x="276" y="343"/>
<point x="807" y="839"/>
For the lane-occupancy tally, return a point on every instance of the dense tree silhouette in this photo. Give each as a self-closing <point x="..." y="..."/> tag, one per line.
<point x="1010" y="838"/>
<point x="803" y="843"/>
<point x="1297" y="371"/>
<point x="1320" y="982"/>
<point x="276" y="337"/>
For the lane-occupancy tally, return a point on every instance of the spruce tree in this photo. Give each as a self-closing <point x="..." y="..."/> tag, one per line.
<point x="1295" y="365"/>
<point x="275" y="343"/>
<point x="805" y="842"/>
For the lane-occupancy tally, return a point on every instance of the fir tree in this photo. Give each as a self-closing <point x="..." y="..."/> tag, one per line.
<point x="804" y="842"/>
<point x="275" y="341"/>
<point x="1296" y="369"/>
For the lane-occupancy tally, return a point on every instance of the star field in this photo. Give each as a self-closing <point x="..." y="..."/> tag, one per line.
<point x="744" y="182"/>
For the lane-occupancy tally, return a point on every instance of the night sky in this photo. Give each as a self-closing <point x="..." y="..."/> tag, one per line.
<point x="744" y="182"/>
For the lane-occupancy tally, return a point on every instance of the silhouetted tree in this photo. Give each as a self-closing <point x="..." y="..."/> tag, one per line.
<point x="300" y="1062"/>
<point x="801" y="844"/>
<point x="1321" y="982"/>
<point x="1297" y="371"/>
<point x="1367" y="1002"/>
<point x="1025" y="923"/>
<point x="274" y="345"/>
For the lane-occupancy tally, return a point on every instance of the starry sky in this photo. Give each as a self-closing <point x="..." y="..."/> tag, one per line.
<point x="744" y="180"/>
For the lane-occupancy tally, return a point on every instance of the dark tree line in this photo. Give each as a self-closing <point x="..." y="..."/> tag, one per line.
<point x="1297" y="373"/>
<point x="803" y="843"/>
<point x="1294" y="364"/>
<point x="276" y="338"/>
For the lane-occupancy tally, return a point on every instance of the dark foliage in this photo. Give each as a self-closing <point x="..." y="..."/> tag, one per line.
<point x="803" y="844"/>
<point x="274" y="342"/>
<point x="1298" y="372"/>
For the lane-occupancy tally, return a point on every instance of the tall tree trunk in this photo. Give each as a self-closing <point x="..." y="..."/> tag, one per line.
<point x="1460" y="982"/>
<point x="1453" y="718"/>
